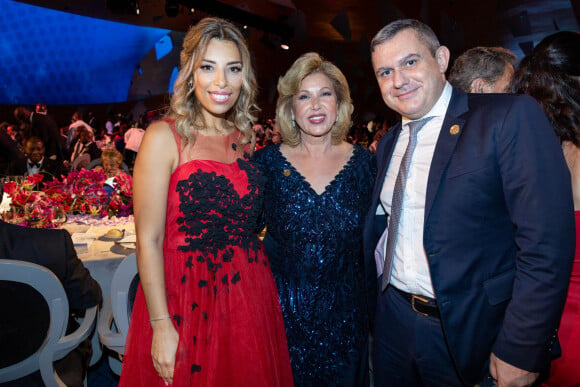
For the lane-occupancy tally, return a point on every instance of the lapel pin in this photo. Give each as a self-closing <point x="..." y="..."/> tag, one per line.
<point x="286" y="172"/>
<point x="454" y="130"/>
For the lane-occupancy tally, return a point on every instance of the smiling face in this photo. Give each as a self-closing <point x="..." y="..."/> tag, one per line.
<point x="34" y="149"/>
<point x="315" y="105"/>
<point x="410" y="78"/>
<point x="218" y="80"/>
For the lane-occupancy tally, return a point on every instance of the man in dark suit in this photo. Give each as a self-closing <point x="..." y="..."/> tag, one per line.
<point x="471" y="235"/>
<point x="35" y="162"/>
<point x="43" y="126"/>
<point x="25" y="331"/>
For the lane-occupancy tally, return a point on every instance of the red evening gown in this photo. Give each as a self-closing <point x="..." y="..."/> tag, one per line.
<point x="565" y="371"/>
<point x="220" y="290"/>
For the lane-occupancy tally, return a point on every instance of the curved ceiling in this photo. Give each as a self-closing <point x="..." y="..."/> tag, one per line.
<point x="341" y="29"/>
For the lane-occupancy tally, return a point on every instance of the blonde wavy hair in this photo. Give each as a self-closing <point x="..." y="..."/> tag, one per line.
<point x="289" y="86"/>
<point x="184" y="108"/>
<point x="111" y="154"/>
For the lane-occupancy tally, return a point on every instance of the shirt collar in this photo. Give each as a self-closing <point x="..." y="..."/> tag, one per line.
<point x="32" y="162"/>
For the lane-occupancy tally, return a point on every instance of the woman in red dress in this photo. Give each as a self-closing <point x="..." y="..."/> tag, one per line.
<point x="207" y="310"/>
<point x="551" y="74"/>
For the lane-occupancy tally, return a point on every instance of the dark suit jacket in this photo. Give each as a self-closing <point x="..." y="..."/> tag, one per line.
<point x="8" y="151"/>
<point x="54" y="250"/>
<point x="50" y="168"/>
<point x="45" y="127"/>
<point x="498" y="232"/>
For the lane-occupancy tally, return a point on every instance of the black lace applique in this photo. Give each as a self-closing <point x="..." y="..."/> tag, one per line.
<point x="215" y="216"/>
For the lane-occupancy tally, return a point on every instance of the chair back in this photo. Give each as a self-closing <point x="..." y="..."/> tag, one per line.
<point x="114" y="319"/>
<point x="56" y="344"/>
<point x="122" y="296"/>
<point x="81" y="162"/>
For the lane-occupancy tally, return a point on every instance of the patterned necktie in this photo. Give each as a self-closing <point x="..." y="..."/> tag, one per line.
<point x="396" y="203"/>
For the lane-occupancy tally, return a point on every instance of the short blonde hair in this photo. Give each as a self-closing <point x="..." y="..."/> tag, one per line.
<point x="111" y="154"/>
<point x="184" y="107"/>
<point x="289" y="86"/>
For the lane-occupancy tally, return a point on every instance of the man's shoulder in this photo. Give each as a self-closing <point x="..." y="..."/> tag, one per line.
<point x="17" y="231"/>
<point x="499" y="99"/>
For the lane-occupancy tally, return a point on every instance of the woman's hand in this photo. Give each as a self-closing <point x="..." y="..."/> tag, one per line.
<point x="164" y="348"/>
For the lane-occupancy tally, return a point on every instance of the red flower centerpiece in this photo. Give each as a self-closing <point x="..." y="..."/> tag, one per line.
<point x="80" y="192"/>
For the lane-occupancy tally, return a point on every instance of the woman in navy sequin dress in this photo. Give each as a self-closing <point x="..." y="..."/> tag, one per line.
<point x="317" y="193"/>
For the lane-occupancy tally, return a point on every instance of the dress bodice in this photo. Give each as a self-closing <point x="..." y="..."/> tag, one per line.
<point x="315" y="228"/>
<point x="211" y="200"/>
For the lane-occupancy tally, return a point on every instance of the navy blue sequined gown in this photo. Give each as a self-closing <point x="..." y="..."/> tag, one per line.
<point x="314" y="243"/>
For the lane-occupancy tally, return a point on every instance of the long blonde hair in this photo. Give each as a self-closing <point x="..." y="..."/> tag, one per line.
<point x="184" y="107"/>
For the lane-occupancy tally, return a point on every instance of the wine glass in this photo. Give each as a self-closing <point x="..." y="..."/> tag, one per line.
<point x="58" y="217"/>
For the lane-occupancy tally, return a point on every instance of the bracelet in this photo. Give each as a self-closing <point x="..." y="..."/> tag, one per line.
<point x="160" y="318"/>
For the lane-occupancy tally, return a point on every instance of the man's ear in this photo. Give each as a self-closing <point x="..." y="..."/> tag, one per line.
<point x="442" y="57"/>
<point x="478" y="86"/>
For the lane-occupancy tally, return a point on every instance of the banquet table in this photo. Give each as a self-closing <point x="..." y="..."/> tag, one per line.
<point x="101" y="255"/>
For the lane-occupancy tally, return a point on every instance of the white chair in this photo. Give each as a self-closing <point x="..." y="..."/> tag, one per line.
<point x="114" y="318"/>
<point x="81" y="162"/>
<point x="57" y="344"/>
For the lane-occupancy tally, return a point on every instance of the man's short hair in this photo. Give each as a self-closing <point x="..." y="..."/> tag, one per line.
<point x="487" y="63"/>
<point x="424" y="32"/>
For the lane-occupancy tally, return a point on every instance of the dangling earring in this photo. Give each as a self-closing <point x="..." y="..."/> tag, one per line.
<point x="293" y="120"/>
<point x="190" y="85"/>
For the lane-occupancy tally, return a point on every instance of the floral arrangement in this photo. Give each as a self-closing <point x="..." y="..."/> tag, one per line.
<point x="36" y="203"/>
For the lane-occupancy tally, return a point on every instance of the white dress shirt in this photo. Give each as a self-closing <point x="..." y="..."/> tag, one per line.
<point x="410" y="270"/>
<point x="33" y="170"/>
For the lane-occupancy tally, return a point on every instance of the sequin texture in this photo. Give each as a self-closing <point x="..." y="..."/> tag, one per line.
<point x="314" y="243"/>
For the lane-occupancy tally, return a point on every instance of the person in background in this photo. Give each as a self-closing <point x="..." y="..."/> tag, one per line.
<point x="13" y="132"/>
<point x="317" y="194"/>
<point x="551" y="74"/>
<point x="133" y="138"/>
<point x="85" y="144"/>
<point x="109" y="123"/>
<point x="206" y="311"/>
<point x="34" y="162"/>
<point x="74" y="129"/>
<point x="43" y="126"/>
<point x="483" y="70"/>
<point x="26" y="330"/>
<point x="472" y="234"/>
<point x="93" y="122"/>
<point x="9" y="150"/>
<point x="111" y="165"/>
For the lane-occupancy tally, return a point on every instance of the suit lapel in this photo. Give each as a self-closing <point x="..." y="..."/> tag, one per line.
<point x="451" y="130"/>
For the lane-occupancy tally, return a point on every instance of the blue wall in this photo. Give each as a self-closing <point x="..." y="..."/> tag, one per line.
<point x="59" y="58"/>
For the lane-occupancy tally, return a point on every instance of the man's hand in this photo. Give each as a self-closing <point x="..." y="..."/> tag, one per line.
<point x="507" y="375"/>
